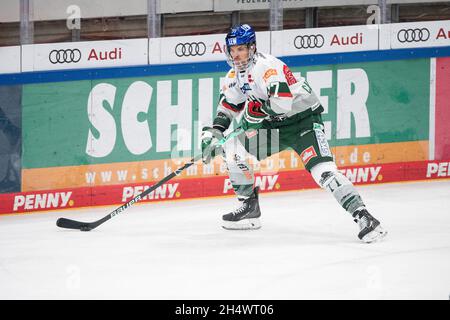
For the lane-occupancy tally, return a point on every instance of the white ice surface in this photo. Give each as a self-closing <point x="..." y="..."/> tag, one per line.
<point x="306" y="249"/>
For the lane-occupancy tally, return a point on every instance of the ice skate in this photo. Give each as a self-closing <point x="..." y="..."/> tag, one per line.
<point x="245" y="217"/>
<point x="370" y="228"/>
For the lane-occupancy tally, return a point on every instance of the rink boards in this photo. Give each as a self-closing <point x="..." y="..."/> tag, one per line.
<point x="212" y="187"/>
<point x="99" y="142"/>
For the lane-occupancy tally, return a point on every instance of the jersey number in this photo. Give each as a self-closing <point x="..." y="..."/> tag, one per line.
<point x="306" y="86"/>
<point x="274" y="88"/>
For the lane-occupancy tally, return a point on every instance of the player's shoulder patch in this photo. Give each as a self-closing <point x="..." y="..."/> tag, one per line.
<point x="268" y="73"/>
<point x="290" y="78"/>
<point x="230" y="80"/>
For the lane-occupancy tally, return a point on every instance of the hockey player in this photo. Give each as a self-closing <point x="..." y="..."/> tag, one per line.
<point x="286" y="109"/>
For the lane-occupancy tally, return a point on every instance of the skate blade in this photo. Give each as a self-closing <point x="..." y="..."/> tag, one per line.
<point x="376" y="235"/>
<point x="245" y="224"/>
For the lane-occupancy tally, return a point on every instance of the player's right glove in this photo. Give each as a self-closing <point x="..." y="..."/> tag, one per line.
<point x="210" y="138"/>
<point x="253" y="116"/>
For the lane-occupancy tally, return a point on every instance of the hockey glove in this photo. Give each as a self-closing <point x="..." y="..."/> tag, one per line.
<point x="253" y="116"/>
<point x="210" y="138"/>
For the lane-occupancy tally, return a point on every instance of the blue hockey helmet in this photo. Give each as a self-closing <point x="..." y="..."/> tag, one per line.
<point x="241" y="35"/>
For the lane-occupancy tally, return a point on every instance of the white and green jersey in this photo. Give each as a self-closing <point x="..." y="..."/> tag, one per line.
<point x="266" y="90"/>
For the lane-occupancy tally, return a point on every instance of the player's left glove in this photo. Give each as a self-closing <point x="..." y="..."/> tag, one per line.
<point x="210" y="138"/>
<point x="253" y="116"/>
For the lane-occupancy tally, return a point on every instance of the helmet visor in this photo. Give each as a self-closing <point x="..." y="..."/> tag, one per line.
<point x="241" y="64"/>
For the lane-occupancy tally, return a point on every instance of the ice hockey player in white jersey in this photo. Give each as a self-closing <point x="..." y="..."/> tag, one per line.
<point x="285" y="113"/>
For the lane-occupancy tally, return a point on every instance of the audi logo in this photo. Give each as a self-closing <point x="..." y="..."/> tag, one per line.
<point x="309" y="41"/>
<point x="413" y="35"/>
<point x="190" y="49"/>
<point x="64" y="56"/>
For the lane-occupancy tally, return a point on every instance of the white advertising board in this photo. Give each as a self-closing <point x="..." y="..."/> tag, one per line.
<point x="416" y="34"/>
<point x="9" y="59"/>
<point x="204" y="48"/>
<point x="196" y="48"/>
<point x="324" y="40"/>
<point x="90" y="54"/>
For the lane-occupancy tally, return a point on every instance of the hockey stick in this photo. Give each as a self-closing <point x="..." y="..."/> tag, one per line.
<point x="87" y="226"/>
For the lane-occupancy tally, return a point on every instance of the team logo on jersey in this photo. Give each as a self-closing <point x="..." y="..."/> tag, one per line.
<point x="308" y="154"/>
<point x="289" y="76"/>
<point x="245" y="88"/>
<point x="254" y="109"/>
<point x="269" y="73"/>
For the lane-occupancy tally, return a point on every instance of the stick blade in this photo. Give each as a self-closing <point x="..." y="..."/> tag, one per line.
<point x="72" y="224"/>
